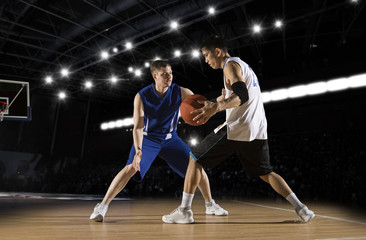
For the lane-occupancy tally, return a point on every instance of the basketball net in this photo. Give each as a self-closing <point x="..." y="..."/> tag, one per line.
<point x="3" y="110"/>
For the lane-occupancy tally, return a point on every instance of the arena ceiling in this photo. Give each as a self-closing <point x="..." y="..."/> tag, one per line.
<point x="40" y="37"/>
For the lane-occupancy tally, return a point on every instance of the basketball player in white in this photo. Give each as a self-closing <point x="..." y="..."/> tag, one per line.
<point x="245" y="134"/>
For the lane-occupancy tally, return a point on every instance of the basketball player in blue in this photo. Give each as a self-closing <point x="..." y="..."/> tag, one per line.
<point x="155" y="116"/>
<point x="245" y="133"/>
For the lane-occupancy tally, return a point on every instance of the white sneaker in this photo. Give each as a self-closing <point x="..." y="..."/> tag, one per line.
<point x="99" y="212"/>
<point x="304" y="213"/>
<point x="179" y="215"/>
<point x="213" y="208"/>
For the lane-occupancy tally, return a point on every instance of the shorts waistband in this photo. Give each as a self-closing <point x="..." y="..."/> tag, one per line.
<point x="161" y="135"/>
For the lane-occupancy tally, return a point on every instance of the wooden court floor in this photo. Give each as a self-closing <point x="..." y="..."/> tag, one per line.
<point x="37" y="217"/>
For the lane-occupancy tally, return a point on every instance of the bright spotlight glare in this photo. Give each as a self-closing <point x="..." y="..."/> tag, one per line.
<point x="115" y="50"/>
<point x="127" y="122"/>
<point x="316" y="88"/>
<point x="104" y="126"/>
<point x="257" y="28"/>
<point x="119" y="123"/>
<point x="177" y="53"/>
<point x="112" y="124"/>
<point x="147" y="64"/>
<point x="65" y="72"/>
<point x="193" y="141"/>
<point x="266" y="97"/>
<point x="128" y="45"/>
<point x="113" y="79"/>
<point x="337" y="84"/>
<point x="88" y="84"/>
<point x="211" y="10"/>
<point x="62" y="95"/>
<point x="357" y="81"/>
<point x="157" y="58"/>
<point x="48" y="79"/>
<point x="195" y="53"/>
<point x="279" y="94"/>
<point x="104" y="55"/>
<point x="138" y="72"/>
<point x="174" y="25"/>
<point x="297" y="91"/>
<point x="130" y="69"/>
<point x="278" y="23"/>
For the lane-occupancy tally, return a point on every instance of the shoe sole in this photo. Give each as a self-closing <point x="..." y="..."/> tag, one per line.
<point x="98" y="218"/>
<point x="179" y="222"/>
<point x="311" y="217"/>
<point x="211" y="213"/>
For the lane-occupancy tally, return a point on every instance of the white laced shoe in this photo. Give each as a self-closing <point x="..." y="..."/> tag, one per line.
<point x="99" y="212"/>
<point x="304" y="213"/>
<point x="212" y="208"/>
<point x="179" y="215"/>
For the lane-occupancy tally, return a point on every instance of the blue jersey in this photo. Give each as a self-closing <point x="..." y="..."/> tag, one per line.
<point x="161" y="114"/>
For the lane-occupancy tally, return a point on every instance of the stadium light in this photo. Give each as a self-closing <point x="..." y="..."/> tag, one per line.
<point x="177" y="53"/>
<point x="128" y="45"/>
<point x="193" y="141"/>
<point x="62" y="95"/>
<point x="113" y="79"/>
<point x="278" y="24"/>
<point x="104" y="55"/>
<point x="174" y="25"/>
<point x="257" y="28"/>
<point x="65" y="72"/>
<point x="195" y="53"/>
<point x="48" y="79"/>
<point x="88" y="84"/>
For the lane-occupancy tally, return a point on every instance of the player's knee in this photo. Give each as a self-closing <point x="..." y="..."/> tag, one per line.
<point x="266" y="177"/>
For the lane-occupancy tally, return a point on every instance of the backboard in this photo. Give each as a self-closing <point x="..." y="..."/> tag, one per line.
<point x="16" y="95"/>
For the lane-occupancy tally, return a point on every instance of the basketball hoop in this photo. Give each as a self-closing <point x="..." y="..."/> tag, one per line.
<point x="3" y="109"/>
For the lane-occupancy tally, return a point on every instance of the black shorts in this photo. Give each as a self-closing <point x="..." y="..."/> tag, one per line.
<point x="216" y="148"/>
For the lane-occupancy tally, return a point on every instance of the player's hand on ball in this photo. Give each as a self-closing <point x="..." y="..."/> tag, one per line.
<point x="208" y="110"/>
<point x="137" y="160"/>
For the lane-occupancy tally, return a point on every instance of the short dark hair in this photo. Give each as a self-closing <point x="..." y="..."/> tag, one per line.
<point x="156" y="65"/>
<point x="214" y="42"/>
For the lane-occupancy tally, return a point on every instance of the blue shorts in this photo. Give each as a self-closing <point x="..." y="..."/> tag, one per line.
<point x="173" y="151"/>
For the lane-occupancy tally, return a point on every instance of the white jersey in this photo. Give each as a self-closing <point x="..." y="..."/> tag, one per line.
<point x="248" y="121"/>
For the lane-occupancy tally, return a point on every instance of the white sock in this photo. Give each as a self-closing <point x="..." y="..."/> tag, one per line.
<point x="295" y="202"/>
<point x="187" y="200"/>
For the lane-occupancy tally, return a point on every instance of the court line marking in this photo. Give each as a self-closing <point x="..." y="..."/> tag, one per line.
<point x="340" y="238"/>
<point x="317" y="215"/>
<point x="56" y="196"/>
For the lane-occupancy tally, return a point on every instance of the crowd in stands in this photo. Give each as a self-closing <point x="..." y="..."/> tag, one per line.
<point x="317" y="166"/>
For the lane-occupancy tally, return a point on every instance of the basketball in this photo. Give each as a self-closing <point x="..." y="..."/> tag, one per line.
<point x="190" y="104"/>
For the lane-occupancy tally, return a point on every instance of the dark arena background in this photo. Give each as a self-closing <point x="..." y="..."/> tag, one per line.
<point x="85" y="60"/>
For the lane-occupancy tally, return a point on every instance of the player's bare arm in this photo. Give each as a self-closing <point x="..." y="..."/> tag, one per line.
<point x="138" y="120"/>
<point x="185" y="92"/>
<point x="233" y="74"/>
